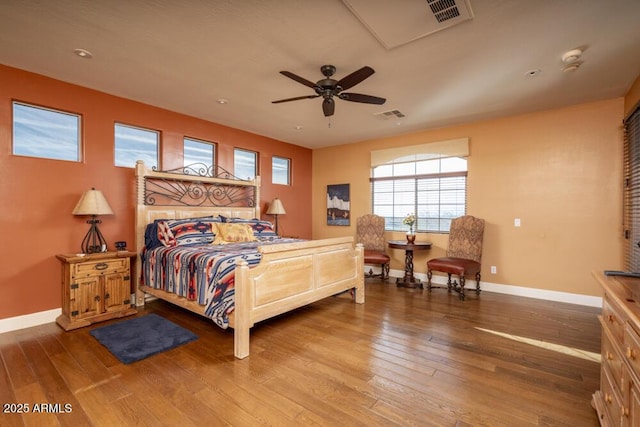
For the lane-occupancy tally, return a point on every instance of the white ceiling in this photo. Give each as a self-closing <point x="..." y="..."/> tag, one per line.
<point x="185" y="55"/>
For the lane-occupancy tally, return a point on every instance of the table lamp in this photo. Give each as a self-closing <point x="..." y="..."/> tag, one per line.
<point x="93" y="203"/>
<point x="276" y="208"/>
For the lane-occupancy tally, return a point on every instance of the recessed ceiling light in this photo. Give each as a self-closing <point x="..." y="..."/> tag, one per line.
<point x="533" y="73"/>
<point x="222" y="101"/>
<point x="82" y="53"/>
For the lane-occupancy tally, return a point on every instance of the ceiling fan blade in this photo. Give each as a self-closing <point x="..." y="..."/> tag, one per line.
<point x="294" y="99"/>
<point x="354" y="78"/>
<point x="358" y="97"/>
<point x="328" y="107"/>
<point x="298" y="79"/>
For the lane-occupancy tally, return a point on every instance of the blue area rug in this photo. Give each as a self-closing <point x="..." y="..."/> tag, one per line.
<point x="136" y="339"/>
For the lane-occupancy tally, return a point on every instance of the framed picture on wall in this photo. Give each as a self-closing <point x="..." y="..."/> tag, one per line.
<point x="338" y="205"/>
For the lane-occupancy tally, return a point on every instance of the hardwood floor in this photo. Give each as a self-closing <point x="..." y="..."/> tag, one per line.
<point x="403" y="358"/>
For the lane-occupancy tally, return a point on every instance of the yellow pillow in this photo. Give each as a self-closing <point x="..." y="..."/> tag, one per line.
<point x="232" y="232"/>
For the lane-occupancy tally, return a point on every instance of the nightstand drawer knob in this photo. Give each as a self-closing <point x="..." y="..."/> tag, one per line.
<point x="101" y="266"/>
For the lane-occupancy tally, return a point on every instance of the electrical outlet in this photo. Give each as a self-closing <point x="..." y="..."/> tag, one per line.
<point x="494" y="269"/>
<point x="516" y="222"/>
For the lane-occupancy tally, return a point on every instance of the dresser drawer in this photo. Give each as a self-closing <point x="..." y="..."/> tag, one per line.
<point x="613" y="320"/>
<point x="92" y="268"/>
<point x="612" y="399"/>
<point x="612" y="359"/>
<point x="632" y="351"/>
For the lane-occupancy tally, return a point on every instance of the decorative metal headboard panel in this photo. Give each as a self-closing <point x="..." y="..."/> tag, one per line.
<point x="196" y="185"/>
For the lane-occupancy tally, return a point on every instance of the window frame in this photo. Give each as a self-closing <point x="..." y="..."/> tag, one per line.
<point x="16" y="132"/>
<point x="404" y="184"/>
<point x="288" y="170"/>
<point x="138" y="128"/>
<point x="255" y="166"/>
<point x="210" y="166"/>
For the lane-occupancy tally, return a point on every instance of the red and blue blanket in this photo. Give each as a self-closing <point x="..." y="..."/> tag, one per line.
<point x="203" y="273"/>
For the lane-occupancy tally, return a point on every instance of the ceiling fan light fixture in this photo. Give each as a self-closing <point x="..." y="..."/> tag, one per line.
<point x="328" y="87"/>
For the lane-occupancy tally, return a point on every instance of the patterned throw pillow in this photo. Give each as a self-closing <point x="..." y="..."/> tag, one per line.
<point x="263" y="230"/>
<point x="232" y="233"/>
<point x="165" y="236"/>
<point x="191" y="231"/>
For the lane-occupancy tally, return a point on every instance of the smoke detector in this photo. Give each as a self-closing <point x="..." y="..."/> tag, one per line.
<point x="572" y="56"/>
<point x="571" y="60"/>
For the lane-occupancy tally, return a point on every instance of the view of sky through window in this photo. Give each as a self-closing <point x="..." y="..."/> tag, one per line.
<point x="132" y="144"/>
<point x="199" y="152"/>
<point x="245" y="164"/>
<point x="280" y="170"/>
<point x="45" y="133"/>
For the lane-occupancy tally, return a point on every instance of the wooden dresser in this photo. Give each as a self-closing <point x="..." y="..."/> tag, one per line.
<point x="95" y="287"/>
<point x="618" y="400"/>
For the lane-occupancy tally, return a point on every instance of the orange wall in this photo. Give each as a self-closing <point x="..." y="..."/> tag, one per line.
<point x="38" y="195"/>
<point x="558" y="171"/>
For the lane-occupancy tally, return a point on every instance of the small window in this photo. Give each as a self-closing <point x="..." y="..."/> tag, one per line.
<point x="45" y="133"/>
<point x="133" y="144"/>
<point x="280" y="170"/>
<point x="245" y="164"/>
<point x="197" y="152"/>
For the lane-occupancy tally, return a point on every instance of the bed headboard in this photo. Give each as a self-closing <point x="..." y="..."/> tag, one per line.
<point x="192" y="191"/>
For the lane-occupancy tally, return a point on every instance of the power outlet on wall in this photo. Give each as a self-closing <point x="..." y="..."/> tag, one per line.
<point x="494" y="269"/>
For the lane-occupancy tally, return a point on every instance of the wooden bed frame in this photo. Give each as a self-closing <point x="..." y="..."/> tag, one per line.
<point x="289" y="275"/>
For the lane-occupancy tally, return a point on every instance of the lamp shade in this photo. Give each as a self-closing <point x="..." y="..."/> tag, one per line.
<point x="276" y="208"/>
<point x="92" y="202"/>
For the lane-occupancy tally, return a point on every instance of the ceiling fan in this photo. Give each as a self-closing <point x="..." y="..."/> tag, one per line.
<point x="328" y="88"/>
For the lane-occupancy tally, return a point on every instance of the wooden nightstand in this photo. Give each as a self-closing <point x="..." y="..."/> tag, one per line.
<point x="95" y="287"/>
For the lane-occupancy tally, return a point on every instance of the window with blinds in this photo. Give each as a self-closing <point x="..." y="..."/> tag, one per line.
<point x="631" y="208"/>
<point x="433" y="189"/>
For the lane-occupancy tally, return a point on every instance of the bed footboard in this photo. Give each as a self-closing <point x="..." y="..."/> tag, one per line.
<point x="290" y="276"/>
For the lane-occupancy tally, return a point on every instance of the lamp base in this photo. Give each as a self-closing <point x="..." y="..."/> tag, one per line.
<point x="94" y="241"/>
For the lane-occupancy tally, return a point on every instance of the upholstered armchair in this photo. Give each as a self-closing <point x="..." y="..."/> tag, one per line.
<point x="464" y="254"/>
<point x="370" y="232"/>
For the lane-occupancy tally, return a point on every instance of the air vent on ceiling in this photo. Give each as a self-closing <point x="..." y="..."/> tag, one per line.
<point x="396" y="23"/>
<point x="390" y="114"/>
<point x="444" y="10"/>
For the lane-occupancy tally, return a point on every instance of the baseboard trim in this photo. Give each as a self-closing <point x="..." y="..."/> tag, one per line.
<point x="28" y="320"/>
<point x="42" y="317"/>
<point x="586" y="300"/>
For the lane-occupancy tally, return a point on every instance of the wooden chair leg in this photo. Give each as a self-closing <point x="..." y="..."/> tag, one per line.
<point x="478" y="283"/>
<point x="429" y="274"/>
<point x="462" y="287"/>
<point x="385" y="272"/>
<point x="449" y="284"/>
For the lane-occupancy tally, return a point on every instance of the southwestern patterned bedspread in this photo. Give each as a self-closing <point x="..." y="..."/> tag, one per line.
<point x="196" y="267"/>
